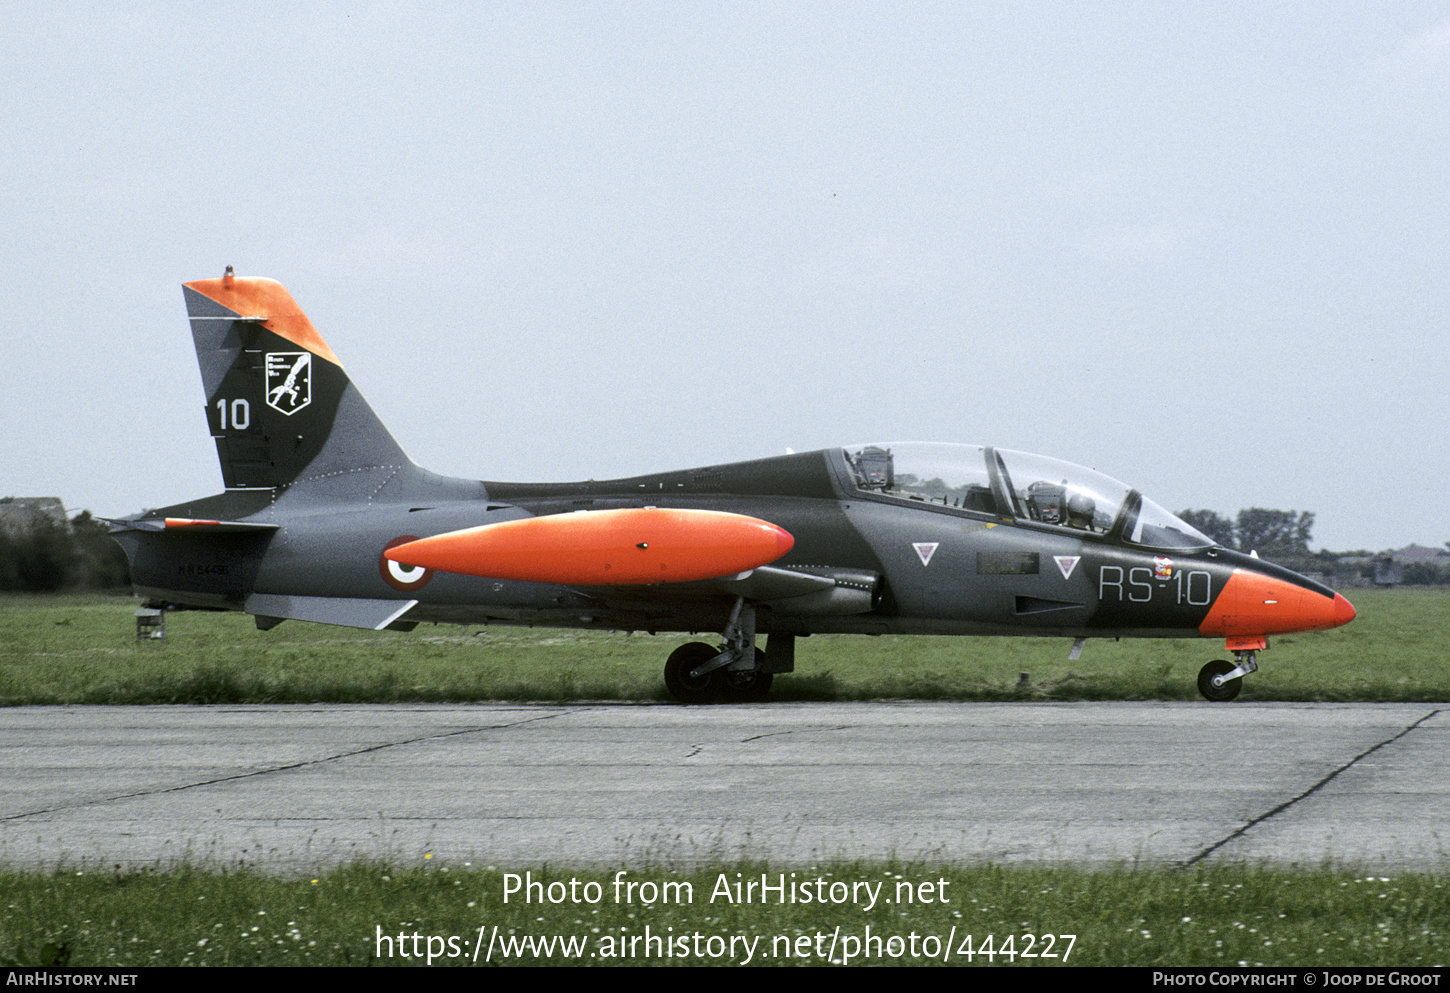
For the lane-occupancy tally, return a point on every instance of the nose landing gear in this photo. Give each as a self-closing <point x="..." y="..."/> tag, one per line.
<point x="1221" y="681"/>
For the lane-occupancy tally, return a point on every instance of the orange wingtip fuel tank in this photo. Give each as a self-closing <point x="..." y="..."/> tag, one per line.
<point x="604" y="547"/>
<point x="1255" y="604"/>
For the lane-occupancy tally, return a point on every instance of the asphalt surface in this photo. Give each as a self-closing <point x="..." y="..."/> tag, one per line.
<point x="292" y="788"/>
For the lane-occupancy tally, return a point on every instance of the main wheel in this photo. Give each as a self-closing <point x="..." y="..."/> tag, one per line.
<point x="692" y="689"/>
<point x="1225" y="692"/>
<point x="747" y="687"/>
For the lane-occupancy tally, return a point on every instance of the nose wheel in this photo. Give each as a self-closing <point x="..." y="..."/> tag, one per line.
<point x="1213" y="685"/>
<point x="1221" y="681"/>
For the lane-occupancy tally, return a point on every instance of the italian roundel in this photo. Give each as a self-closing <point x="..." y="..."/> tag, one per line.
<point x="399" y="576"/>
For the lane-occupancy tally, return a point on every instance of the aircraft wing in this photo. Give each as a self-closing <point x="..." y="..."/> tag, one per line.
<point x="786" y="591"/>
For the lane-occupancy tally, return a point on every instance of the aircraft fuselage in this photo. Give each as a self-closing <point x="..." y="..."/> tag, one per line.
<point x="325" y="519"/>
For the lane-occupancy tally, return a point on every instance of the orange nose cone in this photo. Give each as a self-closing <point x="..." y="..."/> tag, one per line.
<point x="1343" y="610"/>
<point x="1255" y="604"/>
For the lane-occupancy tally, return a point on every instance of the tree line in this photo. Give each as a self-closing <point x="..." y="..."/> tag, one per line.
<point x="49" y="556"/>
<point x="1277" y="535"/>
<point x="1283" y="536"/>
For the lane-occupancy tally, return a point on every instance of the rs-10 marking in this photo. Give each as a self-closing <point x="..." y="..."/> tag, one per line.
<point x="1194" y="596"/>
<point x="1192" y="587"/>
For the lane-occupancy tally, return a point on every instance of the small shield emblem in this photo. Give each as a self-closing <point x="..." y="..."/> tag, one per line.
<point x="289" y="381"/>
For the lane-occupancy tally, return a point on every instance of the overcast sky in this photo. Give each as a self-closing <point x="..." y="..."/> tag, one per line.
<point x="1201" y="247"/>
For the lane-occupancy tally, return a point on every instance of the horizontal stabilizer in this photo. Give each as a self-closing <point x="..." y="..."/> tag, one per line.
<point x="193" y="526"/>
<point x="353" y="612"/>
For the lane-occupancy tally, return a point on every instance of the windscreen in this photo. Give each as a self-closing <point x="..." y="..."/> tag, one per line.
<point x="1019" y="485"/>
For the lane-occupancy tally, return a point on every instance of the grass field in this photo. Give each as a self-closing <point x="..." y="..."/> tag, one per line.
<point x="1224" y="916"/>
<point x="78" y="650"/>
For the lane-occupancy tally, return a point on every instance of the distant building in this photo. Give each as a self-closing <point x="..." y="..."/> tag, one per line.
<point x="1413" y="564"/>
<point x="19" y="515"/>
<point x="1388" y="572"/>
<point x="1419" y="553"/>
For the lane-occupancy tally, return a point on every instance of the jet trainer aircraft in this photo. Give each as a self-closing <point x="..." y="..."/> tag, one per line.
<point x="325" y="519"/>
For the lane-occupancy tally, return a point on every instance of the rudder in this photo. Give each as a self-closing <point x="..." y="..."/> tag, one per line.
<point x="278" y="403"/>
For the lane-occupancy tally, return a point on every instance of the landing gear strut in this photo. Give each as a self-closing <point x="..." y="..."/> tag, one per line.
<point x="735" y="671"/>
<point x="1221" y="681"/>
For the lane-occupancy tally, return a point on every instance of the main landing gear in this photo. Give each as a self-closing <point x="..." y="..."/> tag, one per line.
<point x="736" y="671"/>
<point x="1221" y="681"/>
<point x="697" y="673"/>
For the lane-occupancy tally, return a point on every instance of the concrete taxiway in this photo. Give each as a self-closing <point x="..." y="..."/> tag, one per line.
<point x="297" y="787"/>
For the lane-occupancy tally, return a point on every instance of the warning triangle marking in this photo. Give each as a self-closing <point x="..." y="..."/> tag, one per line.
<point x="1067" y="563"/>
<point x="925" y="550"/>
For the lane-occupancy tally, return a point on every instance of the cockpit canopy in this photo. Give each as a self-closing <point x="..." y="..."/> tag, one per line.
<point x="1020" y="486"/>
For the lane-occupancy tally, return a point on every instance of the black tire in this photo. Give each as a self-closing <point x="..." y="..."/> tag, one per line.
<point x="683" y="687"/>
<point x="1219" y="694"/>
<point x="747" y="687"/>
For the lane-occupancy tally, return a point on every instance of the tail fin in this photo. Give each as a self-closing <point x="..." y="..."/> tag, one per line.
<point x="278" y="402"/>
